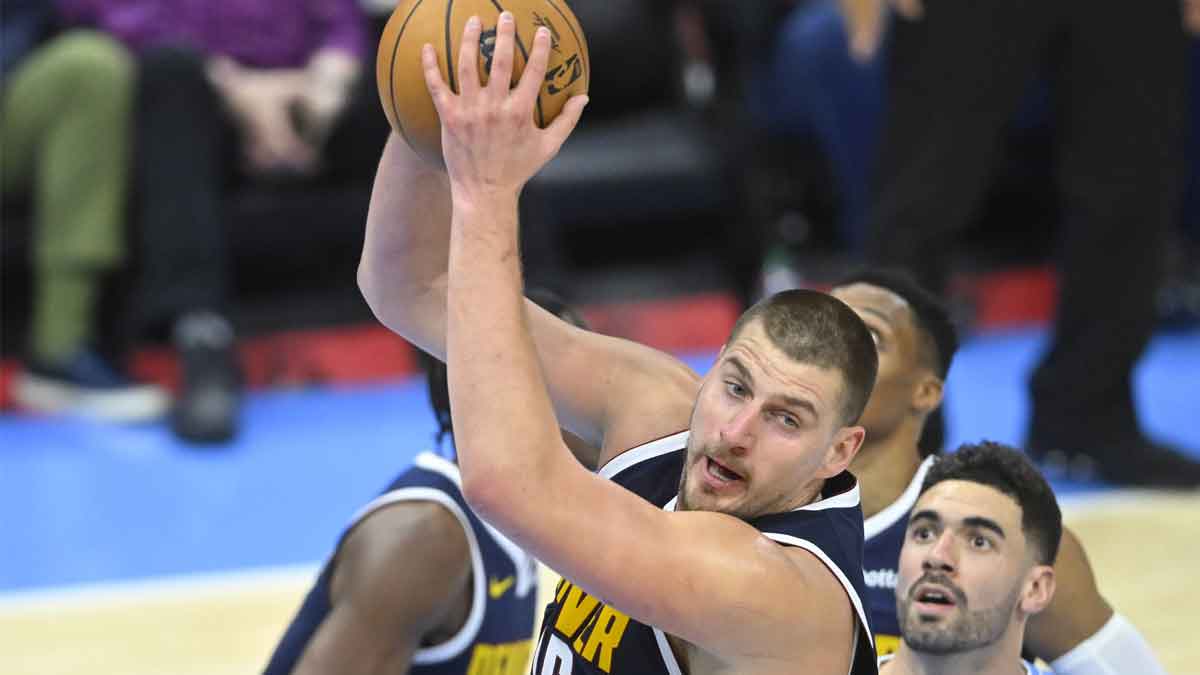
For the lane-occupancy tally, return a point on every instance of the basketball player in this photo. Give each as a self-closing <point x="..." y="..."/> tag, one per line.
<point x="976" y="564"/>
<point x="418" y="583"/>
<point x="729" y="538"/>
<point x="1079" y="634"/>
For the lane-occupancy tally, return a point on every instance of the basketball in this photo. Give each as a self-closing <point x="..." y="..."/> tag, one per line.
<point x="413" y="23"/>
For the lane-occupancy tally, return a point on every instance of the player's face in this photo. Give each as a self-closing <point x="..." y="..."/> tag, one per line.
<point x="963" y="569"/>
<point x="897" y="341"/>
<point x="765" y="430"/>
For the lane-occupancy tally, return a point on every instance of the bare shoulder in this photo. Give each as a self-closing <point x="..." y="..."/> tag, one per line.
<point x="403" y="550"/>
<point x="816" y="573"/>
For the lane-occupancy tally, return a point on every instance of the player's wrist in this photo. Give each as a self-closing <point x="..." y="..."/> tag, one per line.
<point x="484" y="201"/>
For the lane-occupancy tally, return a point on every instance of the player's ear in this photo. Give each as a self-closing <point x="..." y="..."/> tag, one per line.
<point x="845" y="446"/>
<point x="1039" y="589"/>
<point x="927" y="394"/>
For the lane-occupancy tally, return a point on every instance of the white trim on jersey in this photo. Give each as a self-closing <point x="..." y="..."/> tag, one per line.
<point x="525" y="565"/>
<point x="466" y="635"/>
<point x="668" y="656"/>
<point x="815" y="550"/>
<point x="643" y="452"/>
<point x="1030" y="669"/>
<point x="898" y="509"/>
<point x="837" y="572"/>
<point x="848" y="499"/>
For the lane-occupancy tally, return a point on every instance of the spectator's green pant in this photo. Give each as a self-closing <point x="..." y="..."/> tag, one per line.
<point x="65" y="138"/>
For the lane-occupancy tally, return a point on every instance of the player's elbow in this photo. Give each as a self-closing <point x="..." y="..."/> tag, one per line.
<point x="367" y="286"/>
<point x="389" y="309"/>
<point x="487" y="495"/>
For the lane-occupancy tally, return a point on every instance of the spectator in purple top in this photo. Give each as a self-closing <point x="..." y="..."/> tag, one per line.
<point x="230" y="90"/>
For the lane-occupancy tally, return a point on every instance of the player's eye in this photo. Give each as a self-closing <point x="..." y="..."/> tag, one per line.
<point x="980" y="542"/>
<point x="735" y="389"/>
<point x="922" y="533"/>
<point x="787" y="420"/>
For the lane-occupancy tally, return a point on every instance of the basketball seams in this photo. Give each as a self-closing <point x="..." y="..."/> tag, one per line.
<point x="580" y="41"/>
<point x="419" y="23"/>
<point x="449" y="50"/>
<point x="392" y="72"/>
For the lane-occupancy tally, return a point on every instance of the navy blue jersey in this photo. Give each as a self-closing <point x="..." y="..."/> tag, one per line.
<point x="497" y="636"/>
<point x="582" y="636"/>
<point x="881" y="561"/>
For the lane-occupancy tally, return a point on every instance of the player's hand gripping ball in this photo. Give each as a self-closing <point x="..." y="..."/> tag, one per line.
<point x="413" y="23"/>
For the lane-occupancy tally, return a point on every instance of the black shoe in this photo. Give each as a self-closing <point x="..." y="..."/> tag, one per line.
<point x="1140" y="462"/>
<point x="207" y="407"/>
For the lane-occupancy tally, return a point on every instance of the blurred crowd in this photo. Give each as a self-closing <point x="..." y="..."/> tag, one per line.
<point x="750" y="127"/>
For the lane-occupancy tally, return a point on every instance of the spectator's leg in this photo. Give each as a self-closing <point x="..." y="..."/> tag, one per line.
<point x="66" y="127"/>
<point x="814" y="88"/>
<point x="1191" y="213"/>
<point x="182" y="136"/>
<point x="66" y="133"/>
<point x="184" y="142"/>
<point x="954" y="79"/>
<point x="1121" y="148"/>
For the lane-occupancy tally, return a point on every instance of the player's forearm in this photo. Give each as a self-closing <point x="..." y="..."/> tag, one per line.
<point x="402" y="270"/>
<point x="505" y="430"/>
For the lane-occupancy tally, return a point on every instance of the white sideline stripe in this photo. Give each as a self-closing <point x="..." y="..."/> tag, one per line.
<point x="167" y="588"/>
<point x="187" y="586"/>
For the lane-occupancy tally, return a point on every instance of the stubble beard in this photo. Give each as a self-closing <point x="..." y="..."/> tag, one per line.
<point x="969" y="631"/>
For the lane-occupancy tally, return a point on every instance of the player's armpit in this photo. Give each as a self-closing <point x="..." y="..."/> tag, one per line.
<point x="612" y="393"/>
<point x="1077" y="609"/>
<point x="399" y="575"/>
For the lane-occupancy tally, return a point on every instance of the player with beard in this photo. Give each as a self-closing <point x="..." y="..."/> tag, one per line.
<point x="977" y="563"/>
<point x="1079" y="633"/>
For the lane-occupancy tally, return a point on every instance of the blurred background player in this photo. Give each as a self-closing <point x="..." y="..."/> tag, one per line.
<point x="976" y="565"/>
<point x="418" y="583"/>
<point x="1078" y="632"/>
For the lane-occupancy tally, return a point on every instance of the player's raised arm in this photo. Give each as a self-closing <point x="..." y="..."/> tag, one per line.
<point x="697" y="575"/>
<point x="402" y="275"/>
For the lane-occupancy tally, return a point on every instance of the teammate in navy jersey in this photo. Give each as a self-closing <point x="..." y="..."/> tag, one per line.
<point x="418" y="583"/>
<point x="1078" y="633"/>
<point x="977" y="563"/>
<point x="729" y="547"/>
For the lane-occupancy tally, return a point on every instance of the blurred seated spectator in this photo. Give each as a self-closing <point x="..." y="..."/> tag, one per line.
<point x="230" y="91"/>
<point x="67" y="106"/>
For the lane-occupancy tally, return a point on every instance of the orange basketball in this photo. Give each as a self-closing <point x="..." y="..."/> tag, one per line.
<point x="413" y="23"/>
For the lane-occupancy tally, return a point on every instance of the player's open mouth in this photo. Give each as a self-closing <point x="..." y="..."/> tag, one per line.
<point x="719" y="473"/>
<point x="934" y="598"/>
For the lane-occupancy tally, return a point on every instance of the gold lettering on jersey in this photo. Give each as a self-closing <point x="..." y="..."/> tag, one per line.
<point x="597" y="629"/>
<point x="606" y="632"/>
<point x="576" y="606"/>
<point x="886" y="644"/>
<point x="504" y="659"/>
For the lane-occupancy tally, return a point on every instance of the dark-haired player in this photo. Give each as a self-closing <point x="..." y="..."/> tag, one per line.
<point x="1079" y="633"/>
<point x="418" y="583"/>
<point x="977" y="563"/>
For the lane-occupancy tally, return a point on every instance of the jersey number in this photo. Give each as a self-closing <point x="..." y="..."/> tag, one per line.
<point x="558" y="659"/>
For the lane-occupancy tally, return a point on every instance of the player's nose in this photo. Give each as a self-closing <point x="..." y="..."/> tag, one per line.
<point x="738" y="429"/>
